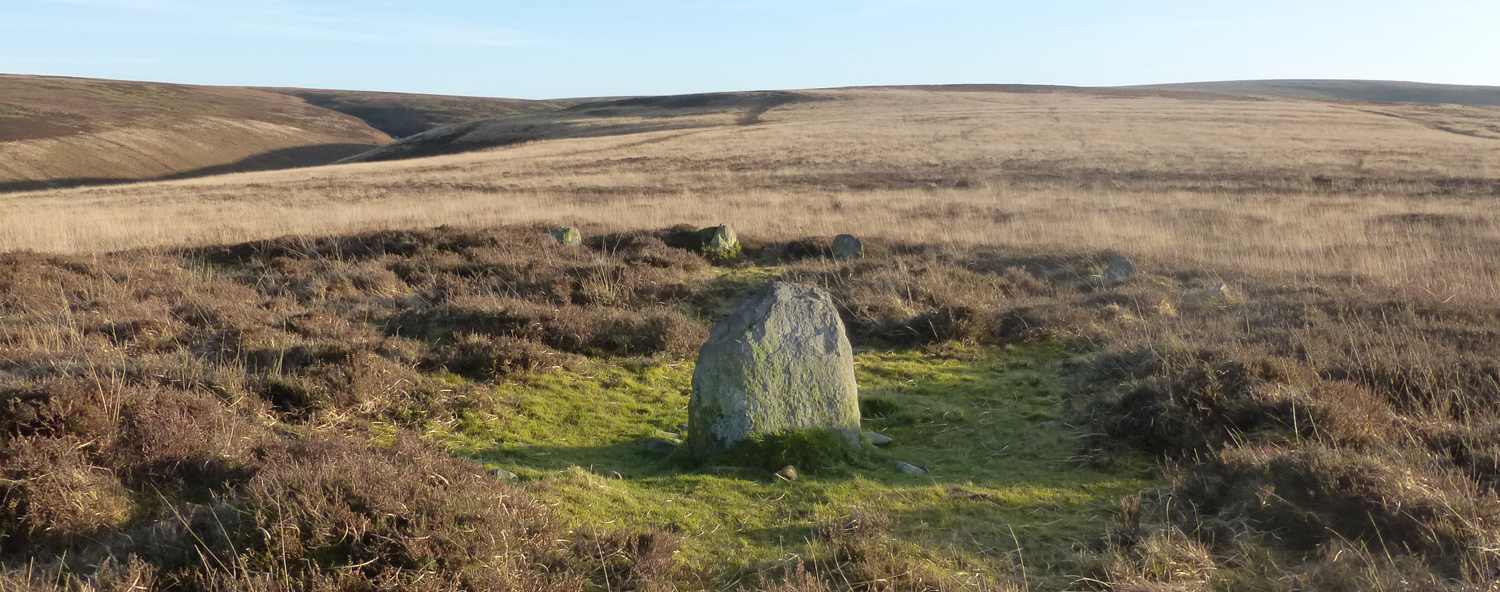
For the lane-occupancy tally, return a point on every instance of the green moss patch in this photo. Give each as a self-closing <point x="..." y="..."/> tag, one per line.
<point x="1003" y="487"/>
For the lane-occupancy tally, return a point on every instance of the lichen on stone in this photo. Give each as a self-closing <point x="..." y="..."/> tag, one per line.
<point x="780" y="363"/>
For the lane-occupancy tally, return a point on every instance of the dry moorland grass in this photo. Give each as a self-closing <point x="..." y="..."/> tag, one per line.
<point x="1397" y="194"/>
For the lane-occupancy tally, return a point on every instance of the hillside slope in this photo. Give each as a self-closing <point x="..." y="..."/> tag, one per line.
<point x="1432" y="105"/>
<point x="589" y="120"/>
<point x="402" y="114"/>
<point x="60" y="132"/>
<point x="72" y="131"/>
<point x="1375" y="91"/>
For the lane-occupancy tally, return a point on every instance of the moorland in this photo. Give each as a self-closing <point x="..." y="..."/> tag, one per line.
<point x="310" y="378"/>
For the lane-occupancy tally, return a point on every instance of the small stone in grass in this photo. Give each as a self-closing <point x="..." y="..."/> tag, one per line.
<point x="660" y="446"/>
<point x="502" y="475"/>
<point x="909" y="468"/>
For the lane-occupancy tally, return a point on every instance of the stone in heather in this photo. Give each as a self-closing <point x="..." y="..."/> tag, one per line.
<point x="847" y="248"/>
<point x="567" y="236"/>
<point x="720" y="243"/>
<point x="877" y="438"/>
<point x="780" y="363"/>
<point x="788" y="473"/>
<point x="1119" y="271"/>
<point x="502" y="475"/>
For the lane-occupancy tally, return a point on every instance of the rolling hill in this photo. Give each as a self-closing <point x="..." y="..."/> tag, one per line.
<point x="589" y="120"/>
<point x="1374" y="91"/>
<point x="1436" y="106"/>
<point x="60" y="132"/>
<point x="401" y="114"/>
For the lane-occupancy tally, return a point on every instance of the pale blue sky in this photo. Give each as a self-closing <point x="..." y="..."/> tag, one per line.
<point x="558" y="48"/>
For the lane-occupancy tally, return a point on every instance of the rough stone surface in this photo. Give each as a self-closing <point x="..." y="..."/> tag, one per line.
<point x="846" y="247"/>
<point x="720" y="243"/>
<point x="567" y="236"/>
<point x="780" y="363"/>
<point x="910" y="469"/>
<point x="502" y="474"/>
<point x="1119" y="271"/>
<point x="788" y="472"/>
<point x="877" y="438"/>
<point x="660" y="446"/>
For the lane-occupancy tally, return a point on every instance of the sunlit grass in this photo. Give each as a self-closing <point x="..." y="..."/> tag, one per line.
<point x="1004" y="485"/>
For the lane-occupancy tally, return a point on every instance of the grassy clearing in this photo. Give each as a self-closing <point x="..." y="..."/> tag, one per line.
<point x="1005" y="483"/>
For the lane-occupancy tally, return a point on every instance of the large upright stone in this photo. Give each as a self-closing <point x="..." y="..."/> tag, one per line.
<point x="779" y="363"/>
<point x="720" y="243"/>
<point x="847" y="248"/>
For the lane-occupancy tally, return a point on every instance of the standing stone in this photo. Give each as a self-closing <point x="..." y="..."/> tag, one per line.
<point x="780" y="363"/>
<point x="567" y="236"/>
<point x="720" y="243"/>
<point x="1119" y="271"/>
<point x="846" y="247"/>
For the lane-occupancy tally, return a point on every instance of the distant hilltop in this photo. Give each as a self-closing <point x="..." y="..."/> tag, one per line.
<point x="1375" y="91"/>
<point x="61" y="132"/>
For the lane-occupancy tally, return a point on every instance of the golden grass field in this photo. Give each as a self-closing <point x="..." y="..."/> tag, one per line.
<point x="1400" y="194"/>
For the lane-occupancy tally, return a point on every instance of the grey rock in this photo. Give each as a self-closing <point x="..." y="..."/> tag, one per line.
<point x="788" y="473"/>
<point x="877" y="438"/>
<point x="566" y="236"/>
<point x="909" y="468"/>
<point x="682" y="428"/>
<point x="660" y="446"/>
<point x="1119" y="271"/>
<point x="669" y="436"/>
<point x="720" y="243"/>
<point x="846" y="248"/>
<point x="501" y="474"/>
<point x="780" y="363"/>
